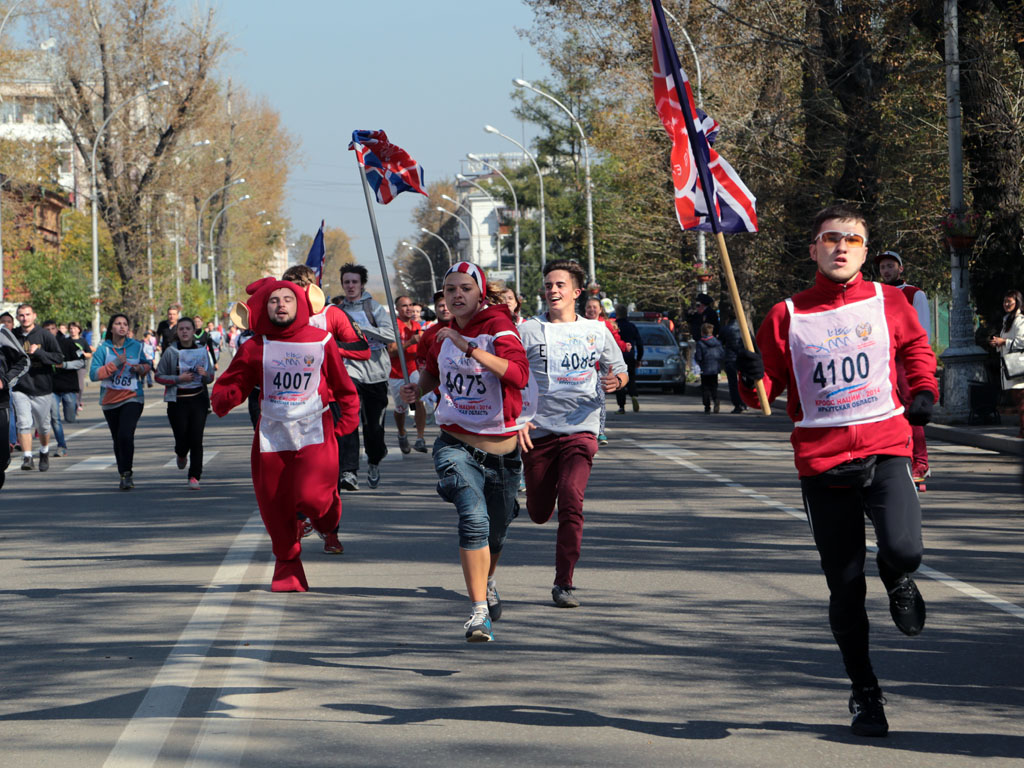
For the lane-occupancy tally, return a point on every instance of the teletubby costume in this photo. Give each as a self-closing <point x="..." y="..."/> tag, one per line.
<point x="294" y="454"/>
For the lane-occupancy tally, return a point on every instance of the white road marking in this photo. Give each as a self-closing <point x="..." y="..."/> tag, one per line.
<point x="93" y="463"/>
<point x="143" y="737"/>
<point x="83" y="430"/>
<point x="207" y="458"/>
<point x="771" y="450"/>
<point x="675" y="455"/>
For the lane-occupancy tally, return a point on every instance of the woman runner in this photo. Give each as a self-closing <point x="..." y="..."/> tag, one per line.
<point x="185" y="369"/>
<point x="480" y="366"/>
<point x="120" y="365"/>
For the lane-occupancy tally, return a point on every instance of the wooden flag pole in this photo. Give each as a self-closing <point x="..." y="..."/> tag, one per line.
<point x="384" y="274"/>
<point x="734" y="294"/>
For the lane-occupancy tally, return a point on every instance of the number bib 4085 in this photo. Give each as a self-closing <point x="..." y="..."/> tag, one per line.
<point x="470" y="394"/>
<point x="841" y="362"/>
<point x="572" y="352"/>
<point x="291" y="408"/>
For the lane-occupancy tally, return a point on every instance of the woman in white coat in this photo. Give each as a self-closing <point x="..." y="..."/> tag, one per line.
<point x="1010" y="343"/>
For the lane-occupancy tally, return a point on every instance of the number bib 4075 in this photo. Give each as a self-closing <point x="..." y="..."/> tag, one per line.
<point x="572" y="352"/>
<point x="291" y="408"/>
<point x="470" y="394"/>
<point x="841" y="362"/>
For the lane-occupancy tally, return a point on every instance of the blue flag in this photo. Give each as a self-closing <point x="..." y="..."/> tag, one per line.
<point x="315" y="259"/>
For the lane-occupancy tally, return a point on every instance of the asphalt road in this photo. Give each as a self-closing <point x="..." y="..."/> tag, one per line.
<point x="139" y="630"/>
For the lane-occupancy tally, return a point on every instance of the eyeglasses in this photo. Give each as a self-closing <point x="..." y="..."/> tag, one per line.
<point x="831" y="237"/>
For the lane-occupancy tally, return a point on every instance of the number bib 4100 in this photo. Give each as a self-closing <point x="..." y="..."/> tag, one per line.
<point x="291" y="408"/>
<point x="841" y="362"/>
<point x="470" y="394"/>
<point x="572" y="352"/>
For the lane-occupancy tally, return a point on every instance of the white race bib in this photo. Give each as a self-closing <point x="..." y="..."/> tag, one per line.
<point x="319" y="320"/>
<point x="471" y="396"/>
<point x="841" y="362"/>
<point x="359" y="317"/>
<point x="572" y="351"/>
<point x="291" y="408"/>
<point x="189" y="360"/>
<point x="123" y="378"/>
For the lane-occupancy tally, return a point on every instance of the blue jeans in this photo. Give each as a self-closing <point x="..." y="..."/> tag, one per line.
<point x="482" y="487"/>
<point x="56" y="426"/>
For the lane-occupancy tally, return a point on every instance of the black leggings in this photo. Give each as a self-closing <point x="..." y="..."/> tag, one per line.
<point x="188" y="421"/>
<point x="630" y="388"/>
<point x="122" y="421"/>
<point x="836" y="516"/>
<point x="373" y="403"/>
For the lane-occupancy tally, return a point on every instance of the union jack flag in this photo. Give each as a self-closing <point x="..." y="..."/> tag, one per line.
<point x="388" y="167"/>
<point x="315" y="258"/>
<point x="697" y="168"/>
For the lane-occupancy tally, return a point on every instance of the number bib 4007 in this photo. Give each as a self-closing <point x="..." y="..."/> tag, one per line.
<point x="841" y="361"/>
<point x="470" y="394"/>
<point x="572" y="352"/>
<point x="291" y="408"/>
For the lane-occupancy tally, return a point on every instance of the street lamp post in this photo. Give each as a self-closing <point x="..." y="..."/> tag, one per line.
<point x="515" y="205"/>
<point x="494" y="205"/>
<point x="472" y="218"/>
<point x="95" y="210"/>
<point x="451" y="258"/>
<point x="199" y="223"/>
<point x="540" y="178"/>
<point x="469" y="232"/>
<point x="213" y="263"/>
<point x="433" y="280"/>
<point x="588" y="190"/>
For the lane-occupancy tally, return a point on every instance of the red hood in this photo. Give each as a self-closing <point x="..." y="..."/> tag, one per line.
<point x="484" y="316"/>
<point x="259" y="321"/>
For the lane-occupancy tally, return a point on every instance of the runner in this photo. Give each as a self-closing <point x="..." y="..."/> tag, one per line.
<point x="65" y="386"/>
<point x="566" y="352"/>
<point x="294" y="454"/>
<point x="370" y="376"/>
<point x="594" y="310"/>
<point x="633" y="356"/>
<point x="410" y="332"/>
<point x="33" y="394"/>
<point x="120" y="365"/>
<point x="444" y="319"/>
<point x="14" y="364"/>
<point x="480" y="366"/>
<point x="834" y="347"/>
<point x="890" y="269"/>
<point x="185" y="369"/>
<point x="352" y="345"/>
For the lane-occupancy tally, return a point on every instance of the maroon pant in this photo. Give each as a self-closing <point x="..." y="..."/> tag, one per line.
<point x="557" y="469"/>
<point x="920" y="448"/>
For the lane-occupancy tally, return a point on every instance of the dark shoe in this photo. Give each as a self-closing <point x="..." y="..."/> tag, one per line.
<point x="44" y="462"/>
<point x="373" y="475"/>
<point x="707" y="409"/>
<point x="27" y="463"/>
<point x="868" y="712"/>
<point x="493" y="603"/>
<point x="907" y="606"/>
<point x="182" y="461"/>
<point x="349" y="481"/>
<point x="636" y="404"/>
<point x="621" y="411"/>
<point x="126" y="483"/>
<point x="420" y="445"/>
<point x="737" y="409"/>
<point x="478" y="628"/>
<point x="403" y="444"/>
<point x="716" y="406"/>
<point x="564" y="597"/>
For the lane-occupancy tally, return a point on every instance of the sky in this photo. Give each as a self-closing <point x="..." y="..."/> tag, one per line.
<point x="430" y="74"/>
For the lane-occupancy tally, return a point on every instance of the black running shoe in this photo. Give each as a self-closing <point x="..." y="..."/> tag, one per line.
<point x="564" y="597"/>
<point x="493" y="603"/>
<point x="907" y="606"/>
<point x="44" y="462"/>
<point x="868" y="712"/>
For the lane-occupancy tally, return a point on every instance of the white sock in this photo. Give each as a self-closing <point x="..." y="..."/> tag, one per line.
<point x="481" y="607"/>
<point x="44" y="449"/>
<point x="27" y="454"/>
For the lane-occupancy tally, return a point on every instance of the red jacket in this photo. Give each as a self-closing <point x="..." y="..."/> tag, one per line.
<point x="817" y="449"/>
<point x="411" y="351"/>
<point x="491" y="320"/>
<point x="351" y="343"/>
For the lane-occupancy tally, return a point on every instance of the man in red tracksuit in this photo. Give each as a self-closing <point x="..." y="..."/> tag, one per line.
<point x="294" y="453"/>
<point x="834" y="347"/>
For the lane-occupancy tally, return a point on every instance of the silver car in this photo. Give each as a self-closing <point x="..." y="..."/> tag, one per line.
<point x="664" y="363"/>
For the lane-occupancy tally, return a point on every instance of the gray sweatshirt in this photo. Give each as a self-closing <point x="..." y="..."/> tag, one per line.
<point x="374" y="321"/>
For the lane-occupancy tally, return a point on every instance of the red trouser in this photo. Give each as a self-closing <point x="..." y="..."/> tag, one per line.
<point x="920" y="448"/>
<point x="558" y="468"/>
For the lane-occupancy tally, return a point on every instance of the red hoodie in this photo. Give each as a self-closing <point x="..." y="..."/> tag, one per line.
<point x="817" y="449"/>
<point x="491" y="320"/>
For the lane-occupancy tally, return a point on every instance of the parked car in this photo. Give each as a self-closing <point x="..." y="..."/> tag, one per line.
<point x="664" y="363"/>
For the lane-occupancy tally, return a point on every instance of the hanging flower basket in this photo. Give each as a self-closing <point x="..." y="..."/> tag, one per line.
<point x="704" y="278"/>
<point x="702" y="273"/>
<point x="961" y="228"/>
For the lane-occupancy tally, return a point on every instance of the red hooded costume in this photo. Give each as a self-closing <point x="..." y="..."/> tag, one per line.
<point x="294" y="468"/>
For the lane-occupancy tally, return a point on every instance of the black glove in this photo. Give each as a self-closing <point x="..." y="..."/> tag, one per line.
<point x="750" y="367"/>
<point x="920" y="411"/>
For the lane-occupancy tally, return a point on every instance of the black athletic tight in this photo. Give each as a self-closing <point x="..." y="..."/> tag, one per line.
<point x="836" y="516"/>
<point x="122" y="422"/>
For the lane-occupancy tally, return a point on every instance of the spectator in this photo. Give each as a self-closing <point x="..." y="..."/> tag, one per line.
<point x="633" y="355"/>
<point x="709" y="356"/>
<point x="33" y="394"/>
<point x="65" y="386"/>
<point x="732" y="341"/>
<point x="1010" y="343"/>
<point x="76" y="338"/>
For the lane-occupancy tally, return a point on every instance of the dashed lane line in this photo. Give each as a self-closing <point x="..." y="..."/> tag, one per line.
<point x="680" y="456"/>
<point x="207" y="458"/>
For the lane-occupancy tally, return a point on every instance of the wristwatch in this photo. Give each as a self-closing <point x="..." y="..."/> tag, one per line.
<point x="470" y="346"/>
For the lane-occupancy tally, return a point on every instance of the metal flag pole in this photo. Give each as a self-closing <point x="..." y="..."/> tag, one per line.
<point x="384" y="272"/>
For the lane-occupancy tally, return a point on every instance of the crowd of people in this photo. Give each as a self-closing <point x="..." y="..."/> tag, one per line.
<point x="520" y="405"/>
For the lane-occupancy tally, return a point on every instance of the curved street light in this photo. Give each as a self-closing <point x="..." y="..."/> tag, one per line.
<point x="95" y="211"/>
<point x="199" y="223"/>
<point x="588" y="190"/>
<point x="472" y="218"/>
<point x="469" y="232"/>
<point x="451" y="258"/>
<point x="213" y="264"/>
<point x="540" y="178"/>
<point x="430" y="263"/>
<point x="515" y="204"/>
<point x="495" y="205"/>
